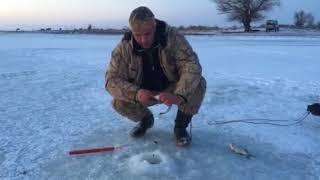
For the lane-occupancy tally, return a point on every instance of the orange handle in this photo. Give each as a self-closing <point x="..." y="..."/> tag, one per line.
<point x="88" y="151"/>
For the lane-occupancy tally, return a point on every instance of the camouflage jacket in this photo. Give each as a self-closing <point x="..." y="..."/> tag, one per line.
<point x="179" y="63"/>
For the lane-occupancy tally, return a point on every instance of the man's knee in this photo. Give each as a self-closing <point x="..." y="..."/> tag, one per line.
<point x="134" y="112"/>
<point x="194" y="102"/>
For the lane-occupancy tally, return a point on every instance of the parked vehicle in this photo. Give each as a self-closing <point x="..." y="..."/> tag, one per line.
<point x="272" y="25"/>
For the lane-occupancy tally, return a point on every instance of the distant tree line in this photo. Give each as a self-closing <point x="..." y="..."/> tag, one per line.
<point x="89" y="30"/>
<point x="198" y="28"/>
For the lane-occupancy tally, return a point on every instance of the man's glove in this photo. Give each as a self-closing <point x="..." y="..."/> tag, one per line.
<point x="314" y="109"/>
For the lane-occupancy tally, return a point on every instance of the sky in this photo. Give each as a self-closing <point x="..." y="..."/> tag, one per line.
<point x="33" y="14"/>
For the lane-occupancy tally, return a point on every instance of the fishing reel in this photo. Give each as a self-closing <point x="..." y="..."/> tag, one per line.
<point x="314" y="109"/>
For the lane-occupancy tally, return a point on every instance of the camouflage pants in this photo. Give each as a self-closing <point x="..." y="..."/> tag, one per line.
<point x="136" y="111"/>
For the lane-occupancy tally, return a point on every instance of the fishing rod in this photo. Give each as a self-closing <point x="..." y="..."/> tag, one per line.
<point x="97" y="150"/>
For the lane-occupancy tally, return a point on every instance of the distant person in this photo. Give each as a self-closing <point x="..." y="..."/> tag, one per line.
<point x="154" y="59"/>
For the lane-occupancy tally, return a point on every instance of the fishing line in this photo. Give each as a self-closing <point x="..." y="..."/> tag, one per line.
<point x="264" y="121"/>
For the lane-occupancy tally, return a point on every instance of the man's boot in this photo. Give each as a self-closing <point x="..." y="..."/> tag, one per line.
<point x="141" y="128"/>
<point x="180" y="129"/>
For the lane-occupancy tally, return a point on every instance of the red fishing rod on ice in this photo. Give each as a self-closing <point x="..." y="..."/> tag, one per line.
<point x="96" y="150"/>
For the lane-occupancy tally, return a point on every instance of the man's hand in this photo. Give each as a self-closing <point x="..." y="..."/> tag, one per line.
<point x="146" y="97"/>
<point x="169" y="98"/>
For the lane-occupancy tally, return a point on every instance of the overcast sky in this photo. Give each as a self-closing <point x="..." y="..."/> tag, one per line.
<point x="33" y="14"/>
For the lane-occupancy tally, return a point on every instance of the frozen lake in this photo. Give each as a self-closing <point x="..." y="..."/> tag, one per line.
<point x="53" y="101"/>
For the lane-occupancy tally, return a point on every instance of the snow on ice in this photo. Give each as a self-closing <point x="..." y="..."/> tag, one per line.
<point x="53" y="101"/>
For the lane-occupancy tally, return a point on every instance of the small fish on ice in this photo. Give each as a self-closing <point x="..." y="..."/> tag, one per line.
<point x="241" y="151"/>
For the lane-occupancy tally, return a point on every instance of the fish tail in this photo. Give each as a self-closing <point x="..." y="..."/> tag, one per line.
<point x="250" y="156"/>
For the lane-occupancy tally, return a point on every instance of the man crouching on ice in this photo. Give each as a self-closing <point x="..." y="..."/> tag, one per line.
<point x="154" y="59"/>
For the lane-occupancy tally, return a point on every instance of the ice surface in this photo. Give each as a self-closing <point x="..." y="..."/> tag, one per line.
<point x="53" y="101"/>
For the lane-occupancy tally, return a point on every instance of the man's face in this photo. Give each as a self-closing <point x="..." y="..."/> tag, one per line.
<point x="144" y="33"/>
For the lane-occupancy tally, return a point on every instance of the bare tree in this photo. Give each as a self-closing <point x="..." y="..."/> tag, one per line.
<point x="303" y="19"/>
<point x="300" y="19"/>
<point x="310" y="20"/>
<point x="245" y="11"/>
